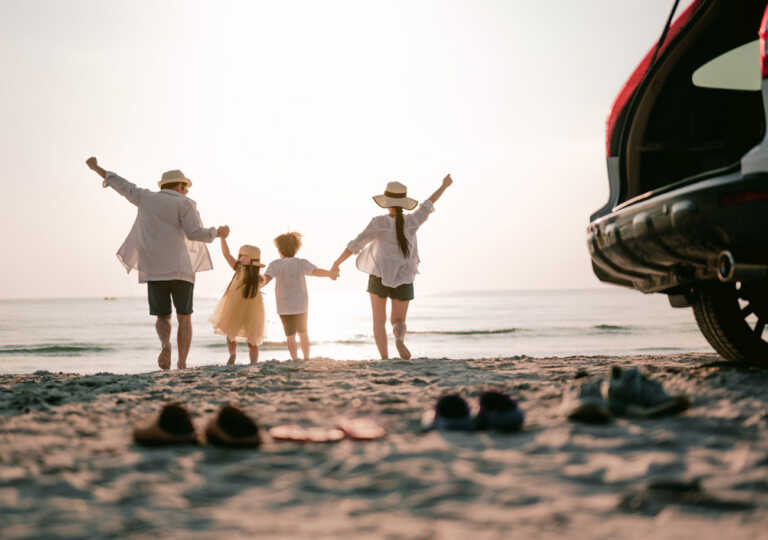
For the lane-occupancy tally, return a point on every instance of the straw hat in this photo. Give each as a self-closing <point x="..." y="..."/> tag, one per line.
<point x="175" y="175"/>
<point x="395" y="195"/>
<point x="249" y="255"/>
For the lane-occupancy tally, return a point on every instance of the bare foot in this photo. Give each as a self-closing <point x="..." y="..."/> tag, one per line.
<point x="231" y="361"/>
<point x="399" y="330"/>
<point x="402" y="350"/>
<point x="164" y="358"/>
<point x="181" y="366"/>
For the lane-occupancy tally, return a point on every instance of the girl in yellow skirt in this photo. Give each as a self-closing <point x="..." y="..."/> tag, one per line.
<point x="240" y="312"/>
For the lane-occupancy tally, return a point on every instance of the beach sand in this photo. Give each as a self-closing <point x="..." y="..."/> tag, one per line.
<point x="68" y="468"/>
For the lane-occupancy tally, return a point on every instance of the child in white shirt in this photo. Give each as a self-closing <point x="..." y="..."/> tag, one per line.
<point x="291" y="290"/>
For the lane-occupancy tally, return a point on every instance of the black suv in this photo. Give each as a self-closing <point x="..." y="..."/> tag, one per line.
<point x="687" y="214"/>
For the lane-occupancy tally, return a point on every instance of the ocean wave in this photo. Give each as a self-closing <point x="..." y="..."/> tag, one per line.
<point x="618" y="328"/>
<point x="465" y="332"/>
<point x="55" y="349"/>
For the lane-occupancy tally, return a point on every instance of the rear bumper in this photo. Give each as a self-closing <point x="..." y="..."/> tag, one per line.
<point x="674" y="239"/>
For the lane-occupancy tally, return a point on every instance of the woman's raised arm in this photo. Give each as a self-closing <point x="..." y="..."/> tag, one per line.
<point x="447" y="181"/>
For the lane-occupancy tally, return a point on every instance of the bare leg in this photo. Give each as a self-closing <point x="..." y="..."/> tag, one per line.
<point x="291" y="340"/>
<point x="184" y="338"/>
<point x="232" y="346"/>
<point x="304" y="340"/>
<point x="163" y="328"/>
<point x="379" y="312"/>
<point x="253" y="352"/>
<point x="399" y="312"/>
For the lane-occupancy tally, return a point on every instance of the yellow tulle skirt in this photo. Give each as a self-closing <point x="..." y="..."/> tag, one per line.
<point x="238" y="317"/>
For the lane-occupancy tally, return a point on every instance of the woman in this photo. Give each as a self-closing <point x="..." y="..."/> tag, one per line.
<point x="389" y="254"/>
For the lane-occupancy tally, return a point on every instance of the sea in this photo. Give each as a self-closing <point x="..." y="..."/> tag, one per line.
<point x="92" y="335"/>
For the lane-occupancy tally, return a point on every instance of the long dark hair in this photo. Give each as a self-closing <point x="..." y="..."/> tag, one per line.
<point x="399" y="225"/>
<point x="251" y="279"/>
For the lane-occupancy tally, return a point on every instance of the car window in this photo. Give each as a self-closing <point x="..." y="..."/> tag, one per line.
<point x="737" y="69"/>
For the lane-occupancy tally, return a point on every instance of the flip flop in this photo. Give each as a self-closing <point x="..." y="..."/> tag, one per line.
<point x="450" y="413"/>
<point x="232" y="428"/>
<point x="297" y="433"/>
<point x="361" y="429"/>
<point x="172" y="425"/>
<point x="499" y="412"/>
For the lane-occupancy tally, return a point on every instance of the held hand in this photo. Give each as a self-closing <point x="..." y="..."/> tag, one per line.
<point x="447" y="181"/>
<point x="92" y="163"/>
<point x="223" y="231"/>
<point x="334" y="273"/>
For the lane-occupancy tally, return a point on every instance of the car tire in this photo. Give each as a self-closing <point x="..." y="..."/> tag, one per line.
<point x="733" y="318"/>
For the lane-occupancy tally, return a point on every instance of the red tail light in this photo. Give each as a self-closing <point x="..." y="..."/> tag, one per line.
<point x="763" y="32"/>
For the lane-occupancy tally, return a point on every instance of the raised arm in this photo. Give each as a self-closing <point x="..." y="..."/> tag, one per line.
<point x="93" y="164"/>
<point x="125" y="188"/>
<point x="447" y="181"/>
<point x="225" y="250"/>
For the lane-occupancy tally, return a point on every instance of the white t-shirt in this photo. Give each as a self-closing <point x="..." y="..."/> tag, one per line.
<point x="290" y="284"/>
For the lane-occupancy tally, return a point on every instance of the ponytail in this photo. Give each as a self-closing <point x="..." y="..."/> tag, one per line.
<point x="251" y="280"/>
<point x="399" y="225"/>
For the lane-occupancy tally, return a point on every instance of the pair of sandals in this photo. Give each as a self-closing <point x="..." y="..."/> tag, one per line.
<point x="497" y="412"/>
<point x="233" y="428"/>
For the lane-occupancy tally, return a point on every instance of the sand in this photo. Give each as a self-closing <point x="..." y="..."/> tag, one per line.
<point x="68" y="468"/>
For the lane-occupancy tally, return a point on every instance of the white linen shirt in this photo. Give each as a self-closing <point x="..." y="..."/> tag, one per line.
<point x="290" y="284"/>
<point x="166" y="240"/>
<point x="379" y="252"/>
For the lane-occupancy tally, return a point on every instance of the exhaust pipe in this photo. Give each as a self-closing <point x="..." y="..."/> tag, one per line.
<point x="729" y="270"/>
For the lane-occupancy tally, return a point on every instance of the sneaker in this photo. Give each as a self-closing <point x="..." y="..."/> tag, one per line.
<point x="585" y="403"/>
<point x="630" y="393"/>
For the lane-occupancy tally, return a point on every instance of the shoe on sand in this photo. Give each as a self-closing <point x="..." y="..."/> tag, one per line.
<point x="585" y="403"/>
<point x="297" y="433"/>
<point x="498" y="412"/>
<point x="399" y="329"/>
<point x="233" y="428"/>
<point x="630" y="393"/>
<point x="451" y="413"/>
<point x="172" y="425"/>
<point x="361" y="429"/>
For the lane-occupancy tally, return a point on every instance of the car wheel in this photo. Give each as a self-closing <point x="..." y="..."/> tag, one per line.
<point x="733" y="318"/>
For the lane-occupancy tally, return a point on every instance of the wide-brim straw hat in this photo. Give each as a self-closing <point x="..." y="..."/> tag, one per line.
<point x="251" y="252"/>
<point x="169" y="177"/>
<point x="395" y="195"/>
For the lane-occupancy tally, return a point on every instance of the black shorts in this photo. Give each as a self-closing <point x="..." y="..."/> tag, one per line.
<point x="294" y="323"/>
<point x="403" y="292"/>
<point x="160" y="293"/>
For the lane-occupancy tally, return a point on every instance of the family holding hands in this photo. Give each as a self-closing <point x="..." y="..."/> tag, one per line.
<point x="166" y="245"/>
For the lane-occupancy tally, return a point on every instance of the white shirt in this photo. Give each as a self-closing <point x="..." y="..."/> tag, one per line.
<point x="379" y="252"/>
<point x="166" y="241"/>
<point x="291" y="285"/>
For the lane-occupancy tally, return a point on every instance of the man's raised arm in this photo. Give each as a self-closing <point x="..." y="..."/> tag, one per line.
<point x="121" y="185"/>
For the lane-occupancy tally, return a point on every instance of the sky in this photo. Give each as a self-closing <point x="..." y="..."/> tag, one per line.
<point x="290" y="115"/>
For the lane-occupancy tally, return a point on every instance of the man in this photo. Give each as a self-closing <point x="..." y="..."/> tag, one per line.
<point x="166" y="246"/>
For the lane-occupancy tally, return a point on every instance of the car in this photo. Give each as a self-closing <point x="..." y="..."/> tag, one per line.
<point x="687" y="160"/>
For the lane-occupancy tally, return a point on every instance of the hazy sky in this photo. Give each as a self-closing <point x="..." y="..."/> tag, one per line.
<point x="290" y="115"/>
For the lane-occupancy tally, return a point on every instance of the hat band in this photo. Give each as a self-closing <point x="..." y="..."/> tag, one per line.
<point x="394" y="195"/>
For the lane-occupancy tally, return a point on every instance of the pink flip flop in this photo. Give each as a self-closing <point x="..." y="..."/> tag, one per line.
<point x="297" y="433"/>
<point x="361" y="429"/>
